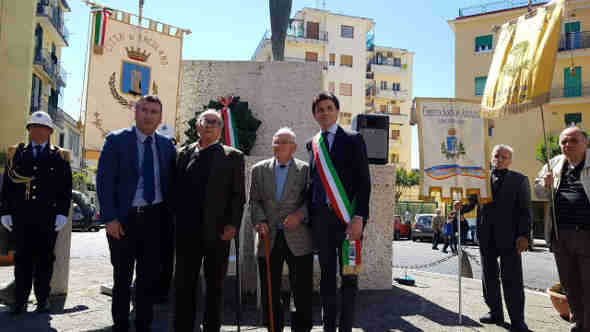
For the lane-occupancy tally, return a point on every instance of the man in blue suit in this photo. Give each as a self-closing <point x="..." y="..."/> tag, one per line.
<point x="134" y="185"/>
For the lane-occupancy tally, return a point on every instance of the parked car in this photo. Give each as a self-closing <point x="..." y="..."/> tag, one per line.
<point x="422" y="227"/>
<point x="401" y="228"/>
<point x="84" y="213"/>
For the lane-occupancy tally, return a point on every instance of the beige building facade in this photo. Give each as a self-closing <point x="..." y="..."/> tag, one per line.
<point x="32" y="78"/>
<point x="353" y="68"/>
<point x="570" y="92"/>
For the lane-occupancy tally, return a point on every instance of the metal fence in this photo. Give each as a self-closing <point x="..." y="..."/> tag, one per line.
<point x="496" y="6"/>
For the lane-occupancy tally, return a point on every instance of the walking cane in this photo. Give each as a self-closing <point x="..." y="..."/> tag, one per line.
<point x="239" y="285"/>
<point x="267" y="254"/>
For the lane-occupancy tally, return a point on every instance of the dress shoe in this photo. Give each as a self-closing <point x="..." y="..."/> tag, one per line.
<point x="435" y="248"/>
<point x="43" y="307"/>
<point x="490" y="318"/>
<point x="445" y="251"/>
<point x="18" y="309"/>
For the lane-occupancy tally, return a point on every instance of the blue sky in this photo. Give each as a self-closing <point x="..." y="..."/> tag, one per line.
<point x="231" y="30"/>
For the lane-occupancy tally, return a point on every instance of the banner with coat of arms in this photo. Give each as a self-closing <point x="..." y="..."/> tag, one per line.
<point x="130" y="57"/>
<point x="453" y="155"/>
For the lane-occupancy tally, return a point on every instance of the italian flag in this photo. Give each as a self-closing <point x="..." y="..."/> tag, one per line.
<point x="100" y="25"/>
<point x="351" y="250"/>
<point x="229" y="123"/>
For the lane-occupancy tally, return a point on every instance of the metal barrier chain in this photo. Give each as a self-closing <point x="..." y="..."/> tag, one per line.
<point x="414" y="267"/>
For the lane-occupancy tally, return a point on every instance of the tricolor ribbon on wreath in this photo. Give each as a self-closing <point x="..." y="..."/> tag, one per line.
<point x="100" y="27"/>
<point x="229" y="125"/>
<point x="343" y="207"/>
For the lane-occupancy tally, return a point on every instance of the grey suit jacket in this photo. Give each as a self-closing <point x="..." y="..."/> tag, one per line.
<point x="265" y="208"/>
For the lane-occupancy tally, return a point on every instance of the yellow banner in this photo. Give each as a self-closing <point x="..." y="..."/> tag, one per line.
<point x="522" y="66"/>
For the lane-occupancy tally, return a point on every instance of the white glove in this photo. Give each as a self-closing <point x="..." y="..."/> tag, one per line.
<point x="7" y="222"/>
<point x="60" y="222"/>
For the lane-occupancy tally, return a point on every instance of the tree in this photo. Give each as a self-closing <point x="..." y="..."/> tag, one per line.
<point x="405" y="180"/>
<point x="554" y="148"/>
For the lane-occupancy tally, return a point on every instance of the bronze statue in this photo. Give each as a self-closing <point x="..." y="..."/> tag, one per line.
<point x="280" y="11"/>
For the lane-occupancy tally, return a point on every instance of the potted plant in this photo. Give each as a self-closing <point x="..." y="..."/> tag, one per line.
<point x="559" y="300"/>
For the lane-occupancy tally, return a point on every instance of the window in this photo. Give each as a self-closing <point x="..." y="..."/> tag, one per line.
<point x="397" y="62"/>
<point x="331" y="87"/>
<point x="332" y="59"/>
<point x="572" y="119"/>
<point x="346" y="60"/>
<point x="394" y="158"/>
<point x="395" y="86"/>
<point x="311" y="57"/>
<point x="572" y="82"/>
<point x="395" y="134"/>
<point x="483" y="43"/>
<point x="383" y="85"/>
<point x="383" y="108"/>
<point x="389" y="54"/>
<point x="62" y="138"/>
<point x="36" y="92"/>
<point x="572" y="35"/>
<point x="345" y="118"/>
<point x="480" y="85"/>
<point x="345" y="89"/>
<point x="346" y="31"/>
<point x="395" y="110"/>
<point x="313" y="30"/>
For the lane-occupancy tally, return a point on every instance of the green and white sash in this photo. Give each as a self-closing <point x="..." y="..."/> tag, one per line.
<point x="343" y="207"/>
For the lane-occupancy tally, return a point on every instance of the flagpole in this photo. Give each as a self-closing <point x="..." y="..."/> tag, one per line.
<point x="547" y="155"/>
<point x="460" y="266"/>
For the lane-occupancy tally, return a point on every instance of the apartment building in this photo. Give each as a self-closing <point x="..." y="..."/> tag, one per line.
<point x="354" y="69"/>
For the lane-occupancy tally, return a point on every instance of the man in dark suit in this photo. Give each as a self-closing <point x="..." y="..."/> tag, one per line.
<point x="503" y="229"/>
<point x="133" y="182"/>
<point x="348" y="154"/>
<point x="210" y="197"/>
<point x="36" y="195"/>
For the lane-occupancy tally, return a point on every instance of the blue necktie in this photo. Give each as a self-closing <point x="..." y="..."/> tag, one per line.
<point x="149" y="191"/>
<point x="38" y="149"/>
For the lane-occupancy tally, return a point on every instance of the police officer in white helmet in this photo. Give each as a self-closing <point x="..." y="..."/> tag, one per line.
<point x="36" y="195"/>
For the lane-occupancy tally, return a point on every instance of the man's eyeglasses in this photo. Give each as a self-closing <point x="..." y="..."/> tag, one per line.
<point x="210" y="122"/>
<point x="282" y="142"/>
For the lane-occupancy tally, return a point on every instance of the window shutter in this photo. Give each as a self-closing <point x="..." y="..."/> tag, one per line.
<point x="345" y="89"/>
<point x="313" y="30"/>
<point x="480" y="85"/>
<point x="331" y="87"/>
<point x="332" y="59"/>
<point x="383" y="108"/>
<point x="346" y="60"/>
<point x="311" y="56"/>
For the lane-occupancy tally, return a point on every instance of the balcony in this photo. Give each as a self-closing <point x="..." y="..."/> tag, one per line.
<point x="497" y="6"/>
<point x="574" y="41"/>
<point x="401" y="95"/>
<point x="51" y="16"/>
<point x="293" y="35"/>
<point x="387" y="67"/>
<point x="298" y="30"/>
<point x="49" y="65"/>
<point x="324" y="64"/>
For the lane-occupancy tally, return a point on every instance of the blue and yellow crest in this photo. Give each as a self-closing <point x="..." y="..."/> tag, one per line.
<point x="135" y="79"/>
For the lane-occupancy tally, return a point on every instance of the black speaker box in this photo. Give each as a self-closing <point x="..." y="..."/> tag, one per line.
<point x="375" y="131"/>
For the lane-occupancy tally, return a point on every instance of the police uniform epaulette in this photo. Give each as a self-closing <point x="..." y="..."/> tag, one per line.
<point x="12" y="150"/>
<point x="62" y="153"/>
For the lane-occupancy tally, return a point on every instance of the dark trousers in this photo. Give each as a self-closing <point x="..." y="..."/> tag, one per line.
<point x="34" y="258"/>
<point x="167" y="258"/>
<point x="450" y="240"/>
<point x="510" y="271"/>
<point x="328" y="233"/>
<point x="435" y="240"/>
<point x="191" y="252"/>
<point x="572" y="255"/>
<point x="301" y="276"/>
<point x="141" y="245"/>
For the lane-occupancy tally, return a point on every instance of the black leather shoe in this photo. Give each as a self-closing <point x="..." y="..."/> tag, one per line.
<point x="490" y="318"/>
<point x="43" y="307"/>
<point x="18" y="309"/>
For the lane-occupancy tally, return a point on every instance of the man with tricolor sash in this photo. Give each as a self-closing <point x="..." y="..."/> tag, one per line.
<point x="340" y="187"/>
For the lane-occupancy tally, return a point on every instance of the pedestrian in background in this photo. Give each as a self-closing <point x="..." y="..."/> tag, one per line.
<point x="438" y="223"/>
<point x="449" y="233"/>
<point x="36" y="197"/>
